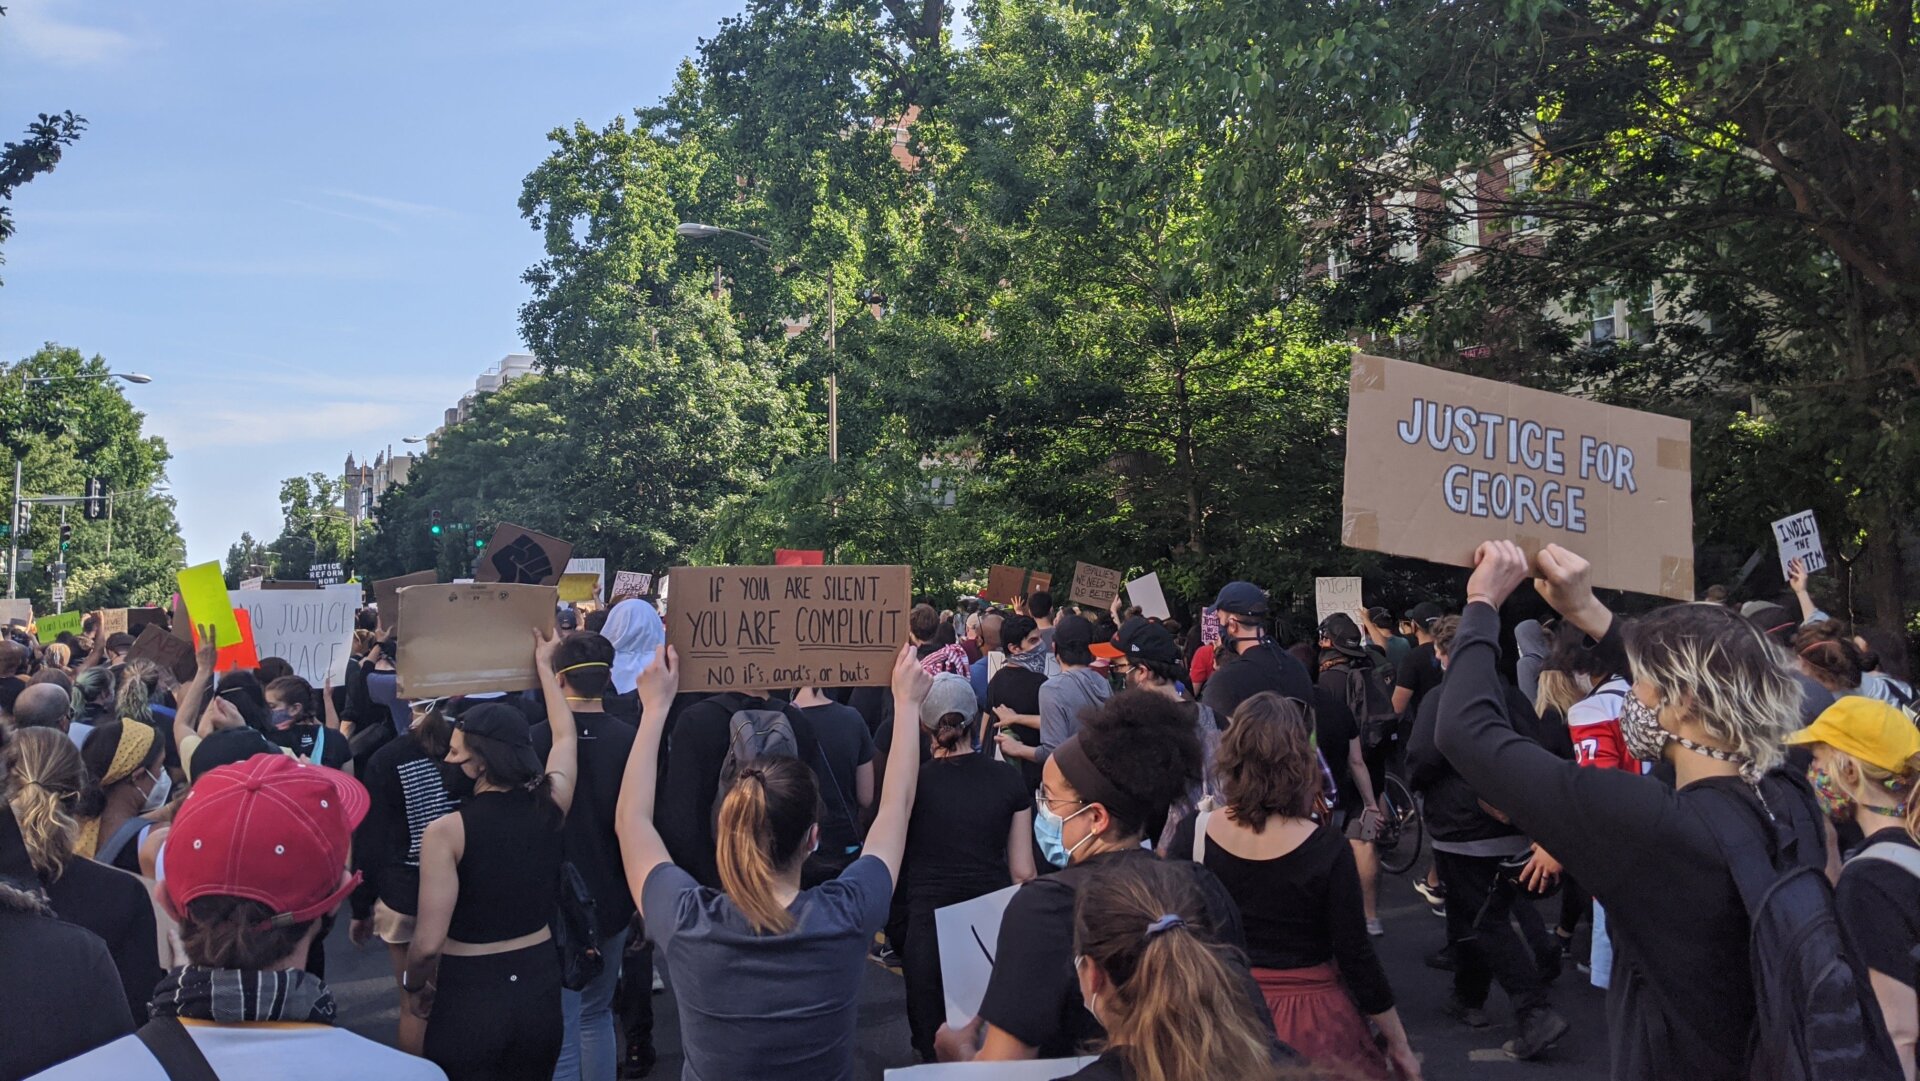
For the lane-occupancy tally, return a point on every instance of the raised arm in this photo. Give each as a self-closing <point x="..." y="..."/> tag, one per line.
<point x="186" y="719"/>
<point x="563" y="759"/>
<point x="887" y="840"/>
<point x="641" y="849"/>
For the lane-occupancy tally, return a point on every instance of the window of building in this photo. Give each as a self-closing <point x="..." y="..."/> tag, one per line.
<point x="1402" y="227"/>
<point x="1339" y="261"/>
<point x="1600" y="316"/>
<point x="1460" y="209"/>
<point x="1519" y="187"/>
<point x="1641" y="327"/>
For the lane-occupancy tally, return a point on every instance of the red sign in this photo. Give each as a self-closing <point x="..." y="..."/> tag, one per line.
<point x="799" y="557"/>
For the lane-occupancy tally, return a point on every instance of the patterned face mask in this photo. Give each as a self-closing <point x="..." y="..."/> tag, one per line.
<point x="1834" y="802"/>
<point x="1646" y="737"/>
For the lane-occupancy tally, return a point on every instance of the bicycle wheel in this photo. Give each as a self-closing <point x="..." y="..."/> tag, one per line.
<point x="1399" y="843"/>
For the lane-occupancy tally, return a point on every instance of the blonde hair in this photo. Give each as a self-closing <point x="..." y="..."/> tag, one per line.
<point x="763" y="821"/>
<point x="44" y="778"/>
<point x="1729" y="677"/>
<point x="1176" y="1009"/>
<point x="59" y="655"/>
<point x="1558" y="692"/>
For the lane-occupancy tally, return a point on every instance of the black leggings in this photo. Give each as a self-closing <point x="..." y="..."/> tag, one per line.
<point x="497" y="1018"/>
<point x="926" y="994"/>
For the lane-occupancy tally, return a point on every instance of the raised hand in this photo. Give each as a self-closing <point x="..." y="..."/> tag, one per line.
<point x="660" y="681"/>
<point x="1563" y="583"/>
<point x="910" y="682"/>
<point x="1498" y="569"/>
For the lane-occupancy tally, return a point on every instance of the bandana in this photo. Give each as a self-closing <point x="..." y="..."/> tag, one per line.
<point x="1033" y="660"/>
<point x="136" y="740"/>
<point x="228" y="995"/>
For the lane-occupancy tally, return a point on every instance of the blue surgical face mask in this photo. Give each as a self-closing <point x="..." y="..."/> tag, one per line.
<point x="282" y="717"/>
<point x="1047" y="829"/>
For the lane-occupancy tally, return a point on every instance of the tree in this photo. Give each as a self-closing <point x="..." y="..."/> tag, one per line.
<point x="1745" y="159"/>
<point x="76" y="426"/>
<point x="47" y="138"/>
<point x="314" y="528"/>
<point x="247" y="558"/>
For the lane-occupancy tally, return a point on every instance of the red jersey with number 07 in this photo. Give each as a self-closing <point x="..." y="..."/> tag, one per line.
<point x="1594" y="724"/>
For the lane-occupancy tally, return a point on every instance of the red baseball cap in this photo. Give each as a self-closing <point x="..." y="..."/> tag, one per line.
<point x="271" y="829"/>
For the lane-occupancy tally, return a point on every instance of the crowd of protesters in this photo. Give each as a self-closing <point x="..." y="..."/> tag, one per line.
<point x="1711" y="812"/>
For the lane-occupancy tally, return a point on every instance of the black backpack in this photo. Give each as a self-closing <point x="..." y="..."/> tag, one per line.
<point x="757" y="728"/>
<point x="1814" y="1017"/>
<point x="1368" y="696"/>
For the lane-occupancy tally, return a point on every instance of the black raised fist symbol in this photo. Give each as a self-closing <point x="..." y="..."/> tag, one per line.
<point x="523" y="561"/>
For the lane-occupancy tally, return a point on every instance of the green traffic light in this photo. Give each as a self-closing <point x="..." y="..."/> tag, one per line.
<point x="479" y="544"/>
<point x="436" y="531"/>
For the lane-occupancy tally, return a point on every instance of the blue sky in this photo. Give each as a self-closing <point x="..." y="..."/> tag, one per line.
<point x="299" y="216"/>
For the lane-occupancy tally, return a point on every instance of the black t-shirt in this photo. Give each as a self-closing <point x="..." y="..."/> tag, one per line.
<point x="957" y="836"/>
<point x="1259" y="666"/>
<point x="1334" y="730"/>
<point x="1034" y="995"/>
<point x="696" y="744"/>
<point x="1420" y="673"/>
<point x="302" y="738"/>
<point x="115" y="906"/>
<point x="1301" y="909"/>
<point x="1878" y="903"/>
<point x="845" y="746"/>
<point x="1019" y="690"/>
<point x="594" y="850"/>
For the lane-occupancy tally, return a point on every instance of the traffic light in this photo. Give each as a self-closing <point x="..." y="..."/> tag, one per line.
<point x="433" y="522"/>
<point x="66" y="536"/>
<point x="479" y="542"/>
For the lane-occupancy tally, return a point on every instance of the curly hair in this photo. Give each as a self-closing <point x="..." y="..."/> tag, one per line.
<point x="1266" y="764"/>
<point x="1146" y="747"/>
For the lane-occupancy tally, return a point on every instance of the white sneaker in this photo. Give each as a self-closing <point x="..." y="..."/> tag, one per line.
<point x="659" y="985"/>
<point x="1374" y="928"/>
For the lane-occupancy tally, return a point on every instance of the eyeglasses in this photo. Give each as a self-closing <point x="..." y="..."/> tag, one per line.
<point x="1045" y="802"/>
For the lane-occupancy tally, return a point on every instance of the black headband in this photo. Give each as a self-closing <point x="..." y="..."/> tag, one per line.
<point x="1093" y="785"/>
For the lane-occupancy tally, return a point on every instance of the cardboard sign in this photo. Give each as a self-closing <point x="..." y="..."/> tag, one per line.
<point x="1332" y="595"/>
<point x="386" y="594"/>
<point x="1096" y="586"/>
<point x="1438" y="462"/>
<point x="1145" y="592"/>
<point x="467" y="639"/>
<point x="159" y="648"/>
<point x="53" y="626"/>
<point x="12" y="608"/>
<point x="1210" y="627"/>
<point x="311" y="630"/>
<point x="754" y="628"/>
<point x="205" y="594"/>
<point x="138" y="618"/>
<point x="518" y="555"/>
<point x="799" y="557"/>
<point x="630" y="584"/>
<point x="969" y="935"/>
<point x="1008" y="584"/>
<point x="578" y="588"/>
<point x="113" y="621"/>
<point x="252" y="583"/>
<point x="1799" y="538"/>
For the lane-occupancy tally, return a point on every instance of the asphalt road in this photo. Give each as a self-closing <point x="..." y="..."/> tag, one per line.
<point x="363" y="986"/>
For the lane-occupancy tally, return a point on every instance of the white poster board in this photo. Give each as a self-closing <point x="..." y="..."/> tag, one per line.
<point x="1332" y="595"/>
<point x="1145" y="592"/>
<point x="1799" y="538"/>
<point x="969" y="933"/>
<point x="12" y="608"/>
<point x="311" y="629"/>
<point x="1043" y="1069"/>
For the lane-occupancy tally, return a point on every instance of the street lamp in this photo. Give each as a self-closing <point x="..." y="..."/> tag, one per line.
<point x="131" y="377"/>
<point x="693" y="230"/>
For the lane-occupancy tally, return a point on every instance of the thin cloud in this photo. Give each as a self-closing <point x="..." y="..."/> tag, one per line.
<point x="391" y="206"/>
<point x="70" y="44"/>
<point x="262" y="426"/>
<point x="377" y="223"/>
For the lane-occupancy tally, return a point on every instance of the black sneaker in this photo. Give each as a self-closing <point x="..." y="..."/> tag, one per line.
<point x="1472" y="1016"/>
<point x="882" y="954"/>
<point x="1441" y="958"/>
<point x="1539" y="1030"/>
<point x="639" y="1062"/>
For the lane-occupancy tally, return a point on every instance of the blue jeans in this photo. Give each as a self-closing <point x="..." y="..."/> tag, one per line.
<point x="589" y="1050"/>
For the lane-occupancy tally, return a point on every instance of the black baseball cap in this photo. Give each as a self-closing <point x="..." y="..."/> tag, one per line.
<point x="1342" y="635"/>
<point x="496" y="720"/>
<point x="1073" y="640"/>
<point x="1242" y="599"/>
<point x="1141" y="639"/>
<point x="227" y="746"/>
<point x="1425" y="613"/>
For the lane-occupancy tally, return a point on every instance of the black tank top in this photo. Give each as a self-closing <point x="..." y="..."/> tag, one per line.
<point x="510" y="872"/>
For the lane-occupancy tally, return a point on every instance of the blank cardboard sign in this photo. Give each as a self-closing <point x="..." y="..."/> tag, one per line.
<point x="467" y="639"/>
<point x="386" y="594"/>
<point x="1438" y="462"/>
<point x="753" y="628"/>
<point x="1008" y="584"/>
<point x="518" y="555"/>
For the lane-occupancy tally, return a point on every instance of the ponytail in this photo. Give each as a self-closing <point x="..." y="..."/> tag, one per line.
<point x="44" y="779"/>
<point x="951" y="730"/>
<point x="763" y="820"/>
<point x="1175" y="1009"/>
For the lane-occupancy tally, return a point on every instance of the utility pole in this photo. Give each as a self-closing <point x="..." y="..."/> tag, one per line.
<point x="13" y="535"/>
<point x="833" y="373"/>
